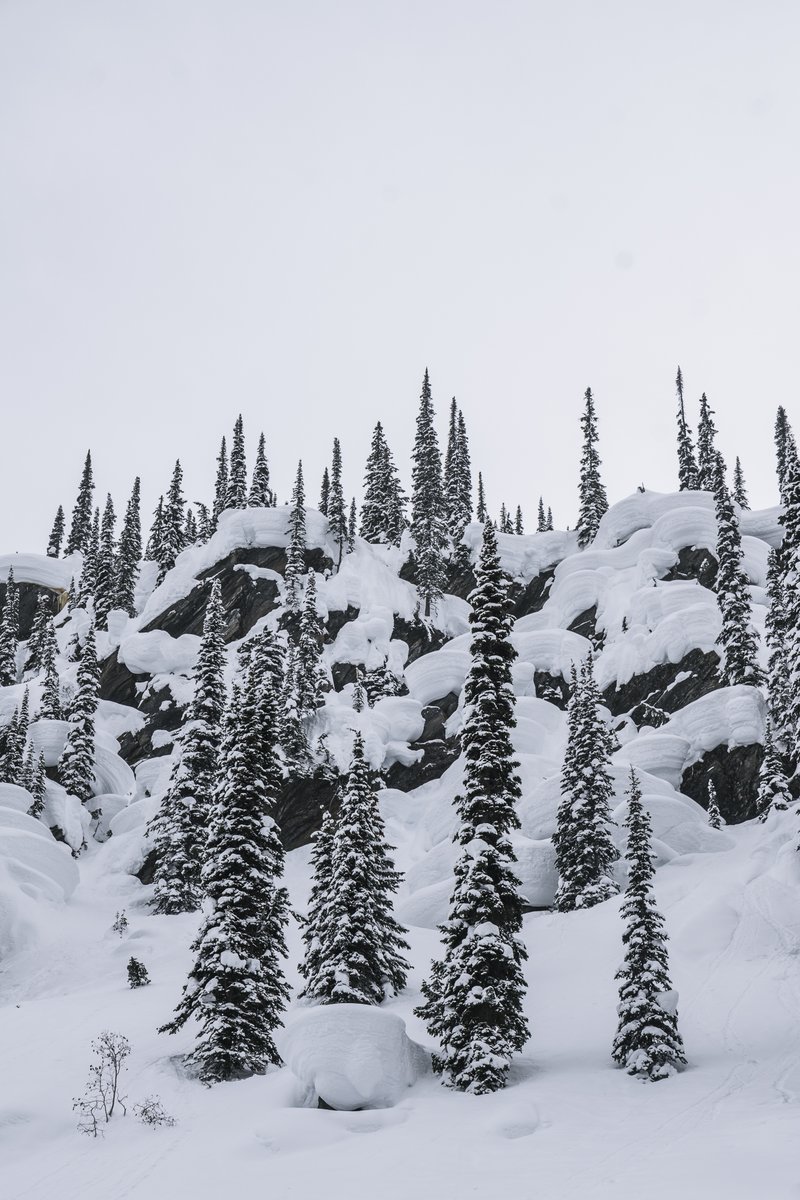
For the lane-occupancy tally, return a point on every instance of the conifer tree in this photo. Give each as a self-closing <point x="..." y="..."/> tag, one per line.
<point x="428" y="523"/>
<point x="41" y="631"/>
<point x="236" y="494"/>
<point x="220" y="486"/>
<point x="106" y="564"/>
<point x="310" y="677"/>
<point x="153" y="550"/>
<point x="129" y="552"/>
<point x="9" y="632"/>
<point x="77" y="764"/>
<point x="178" y="830"/>
<point x="91" y="564"/>
<point x="325" y="493"/>
<point x="785" y="448"/>
<point x="236" y="988"/>
<point x="473" y="996"/>
<point x="773" y="786"/>
<point x="647" y="1042"/>
<point x="260" y="492"/>
<point x="687" y="463"/>
<point x="778" y="636"/>
<point x="203" y="522"/>
<point x="293" y="740"/>
<point x="585" y="851"/>
<point x="383" y="508"/>
<point x="16" y="743"/>
<point x="541" y="519"/>
<point x="50" y="704"/>
<point x="593" y="499"/>
<point x="739" y="491"/>
<point x="189" y="529"/>
<point x="337" y="513"/>
<point x="457" y="478"/>
<point x="549" y="526"/>
<point x="519" y="526"/>
<point x="715" y="818"/>
<point x="296" y="550"/>
<point x="36" y="781"/>
<point x="360" y="955"/>
<point x="481" y="511"/>
<point x="707" y="453"/>
<point x="81" y="526"/>
<point x="316" y="924"/>
<point x="173" y="537"/>
<point x="56" y="534"/>
<point x="737" y="639"/>
<point x="351" y="526"/>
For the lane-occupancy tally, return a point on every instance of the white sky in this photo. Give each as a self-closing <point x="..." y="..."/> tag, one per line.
<point x="289" y="209"/>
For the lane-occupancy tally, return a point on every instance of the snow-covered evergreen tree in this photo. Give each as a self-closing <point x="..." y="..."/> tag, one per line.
<point x="316" y="924"/>
<point x="220" y="485"/>
<point x="296" y="551"/>
<point x="106" y="564"/>
<point x="473" y="997"/>
<point x="707" y="453"/>
<point x="715" y="818"/>
<point x="737" y="639"/>
<point x="56" y="534"/>
<point x="481" y="511"/>
<point x="129" y="552"/>
<point x="592" y="493"/>
<point x="91" y="564"/>
<point x="77" y="763"/>
<point x="260" y="492"/>
<point x="778" y="633"/>
<point x="355" y="945"/>
<point x="549" y="525"/>
<point x="50" y="703"/>
<point x="585" y="851"/>
<point x="337" y="512"/>
<point x="428" y="517"/>
<point x="519" y="524"/>
<point x="203" y="522"/>
<point x="81" y="525"/>
<point x="739" y="491"/>
<point x="383" y="508"/>
<point x="325" y="492"/>
<point x="687" y="463"/>
<point x="35" y="780"/>
<point x="173" y="535"/>
<point x="773" y="786"/>
<point x="541" y="519"/>
<point x="647" y="1043"/>
<point x="352" y="521"/>
<point x="457" y="478"/>
<point x="41" y="631"/>
<point x="785" y="448"/>
<point x="236" y="494"/>
<point x="152" y="550"/>
<point x="9" y="632"/>
<point x="178" y="830"/>
<point x="190" y="536"/>
<point x="293" y="740"/>
<point x="236" y="989"/>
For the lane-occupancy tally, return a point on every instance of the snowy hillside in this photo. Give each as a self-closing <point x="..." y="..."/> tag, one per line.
<point x="639" y="603"/>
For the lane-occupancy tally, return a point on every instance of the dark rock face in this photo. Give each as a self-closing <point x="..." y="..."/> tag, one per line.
<point x="28" y="595"/>
<point x="531" y="598"/>
<point x="161" y="712"/>
<point x="419" y="638"/>
<point x="695" y="563"/>
<point x="644" y="696"/>
<point x="438" y="752"/>
<point x="586" y="625"/>
<point x="734" y="773"/>
<point x="553" y="688"/>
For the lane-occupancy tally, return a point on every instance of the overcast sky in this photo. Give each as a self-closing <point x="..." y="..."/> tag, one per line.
<point x="290" y="209"/>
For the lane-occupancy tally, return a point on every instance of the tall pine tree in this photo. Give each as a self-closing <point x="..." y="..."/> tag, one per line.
<point x="428" y="517"/>
<point x="739" y="491"/>
<point x="296" y="550"/>
<point x="220" y="486"/>
<point x="592" y="493"/>
<point x="707" y="453"/>
<point x="236" y="493"/>
<point x="737" y="639"/>
<point x="81" y="526"/>
<point x="129" y="552"/>
<point x="77" y="763"/>
<point x="473" y="997"/>
<point x="337" y="512"/>
<point x="56" y="534"/>
<point x="260" y="492"/>
<point x="687" y="463"/>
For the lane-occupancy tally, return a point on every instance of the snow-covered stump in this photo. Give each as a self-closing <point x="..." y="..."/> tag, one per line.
<point x="352" y="1056"/>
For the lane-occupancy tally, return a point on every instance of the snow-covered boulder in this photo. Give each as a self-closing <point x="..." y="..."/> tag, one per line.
<point x="351" y="1055"/>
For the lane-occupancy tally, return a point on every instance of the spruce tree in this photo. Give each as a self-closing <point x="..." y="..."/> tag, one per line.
<point x="785" y="448"/>
<point x="687" y="463"/>
<point x="236" y="494"/>
<point x="316" y="924"/>
<point x="9" y="632"/>
<point x="647" y="1043"/>
<point x="457" y="478"/>
<point x="153" y="550"/>
<point x="36" y="781"/>
<point x="325" y="493"/>
<point x="129" y="552"/>
<point x="737" y="639"/>
<point x="519" y="526"/>
<point x="81" y="526"/>
<point x="473" y="997"/>
<point x="549" y="526"/>
<point x="91" y="564"/>
<point x="56" y="534"/>
<point x="173" y="537"/>
<point x="585" y="851"/>
<point x="220" y="486"/>
<point x="41" y="632"/>
<point x="739" y="491"/>
<point x="178" y="830"/>
<point x="707" y="453"/>
<point x="359" y="958"/>
<point x="351" y="526"/>
<point x="106" y="564"/>
<point x="293" y="740"/>
<point x="715" y="818"/>
<point x="50" y="704"/>
<point x="773" y="786"/>
<point x="296" y="550"/>
<point x="593" y="499"/>
<point x="236" y="988"/>
<point x="383" y="508"/>
<point x="190" y="529"/>
<point x="541" y="519"/>
<point x="481" y="511"/>
<point x="77" y="763"/>
<point x="778" y="636"/>
<point x="14" y="759"/>
<point x="337" y="514"/>
<point x="203" y="522"/>
<point x="310" y="676"/>
<point x="260" y="491"/>
<point x="428" y="518"/>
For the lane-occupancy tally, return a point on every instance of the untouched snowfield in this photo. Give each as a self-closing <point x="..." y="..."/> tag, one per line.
<point x="569" y="1124"/>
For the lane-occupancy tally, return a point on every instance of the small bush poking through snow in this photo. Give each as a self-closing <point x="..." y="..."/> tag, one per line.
<point x="120" y="925"/>
<point x="152" y="1112"/>
<point x="137" y="973"/>
<point x="96" y="1106"/>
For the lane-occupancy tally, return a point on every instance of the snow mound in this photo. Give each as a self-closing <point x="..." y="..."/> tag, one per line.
<point x="351" y="1055"/>
<point x="53" y="573"/>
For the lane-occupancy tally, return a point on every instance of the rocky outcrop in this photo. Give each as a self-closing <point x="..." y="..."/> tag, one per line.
<point x="694" y="562"/>
<point x="28" y="596"/>
<point x="734" y="773"/>
<point x="665" y="689"/>
<point x="437" y="750"/>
